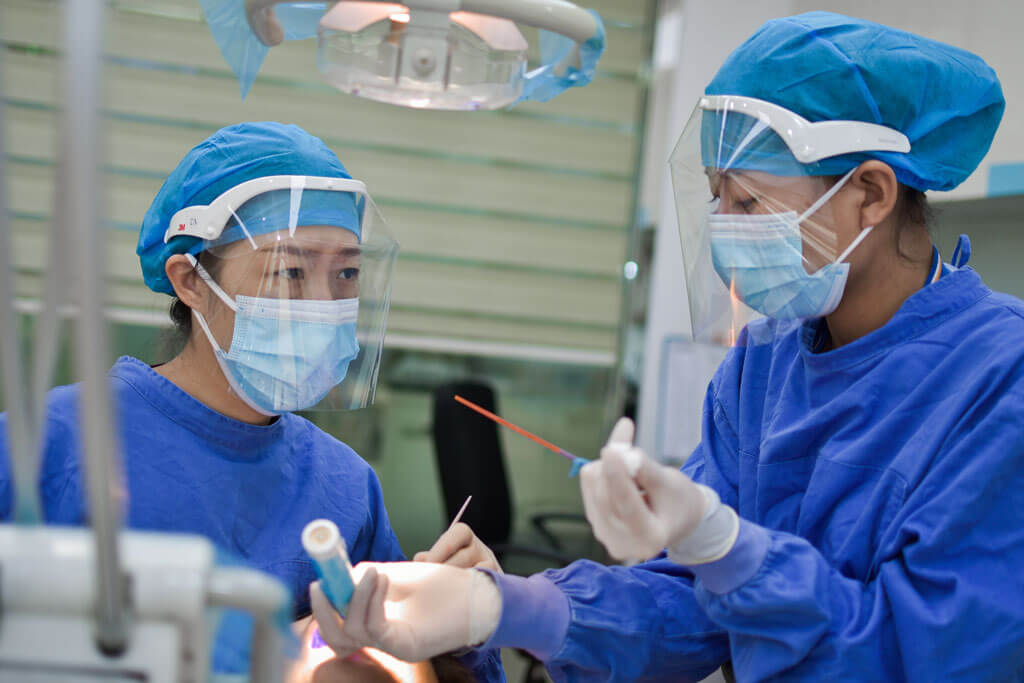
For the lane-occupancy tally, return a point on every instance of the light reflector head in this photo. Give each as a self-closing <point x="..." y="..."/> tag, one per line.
<point x="421" y="58"/>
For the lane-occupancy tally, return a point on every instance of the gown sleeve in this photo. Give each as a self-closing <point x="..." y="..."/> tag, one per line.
<point x="383" y="545"/>
<point x="946" y="601"/>
<point x="60" y="488"/>
<point x="644" y="622"/>
<point x="640" y="623"/>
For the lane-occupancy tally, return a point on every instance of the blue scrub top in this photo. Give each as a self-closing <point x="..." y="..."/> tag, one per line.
<point x="880" y="487"/>
<point x="250" y="489"/>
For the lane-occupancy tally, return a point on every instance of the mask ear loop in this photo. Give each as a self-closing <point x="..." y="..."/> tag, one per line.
<point x="218" y="352"/>
<point x="223" y="297"/>
<point x="821" y="201"/>
<point x="853" y="245"/>
<point x="211" y="283"/>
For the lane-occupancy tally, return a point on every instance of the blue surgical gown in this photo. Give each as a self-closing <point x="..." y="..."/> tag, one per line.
<point x="250" y="489"/>
<point x="881" y="491"/>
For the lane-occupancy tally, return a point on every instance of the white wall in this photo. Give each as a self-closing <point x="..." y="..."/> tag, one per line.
<point x="997" y="238"/>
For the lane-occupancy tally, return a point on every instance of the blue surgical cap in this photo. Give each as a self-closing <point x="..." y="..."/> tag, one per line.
<point x="228" y="158"/>
<point x="829" y="67"/>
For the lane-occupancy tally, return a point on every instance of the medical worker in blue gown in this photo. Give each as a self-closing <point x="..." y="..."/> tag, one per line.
<point x="855" y="509"/>
<point x="280" y="265"/>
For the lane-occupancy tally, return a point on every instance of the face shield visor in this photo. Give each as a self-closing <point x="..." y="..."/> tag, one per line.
<point x="302" y="266"/>
<point x="758" y="232"/>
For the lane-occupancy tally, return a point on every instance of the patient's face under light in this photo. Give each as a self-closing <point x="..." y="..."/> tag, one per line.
<point x="318" y="664"/>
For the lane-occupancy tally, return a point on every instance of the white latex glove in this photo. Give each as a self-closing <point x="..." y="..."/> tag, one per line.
<point x="459" y="547"/>
<point x="412" y="610"/>
<point x="637" y="507"/>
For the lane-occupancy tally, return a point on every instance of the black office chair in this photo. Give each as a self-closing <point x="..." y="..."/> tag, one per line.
<point x="470" y="462"/>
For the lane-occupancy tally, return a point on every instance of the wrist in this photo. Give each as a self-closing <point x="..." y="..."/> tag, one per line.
<point x="484" y="607"/>
<point x="714" y="536"/>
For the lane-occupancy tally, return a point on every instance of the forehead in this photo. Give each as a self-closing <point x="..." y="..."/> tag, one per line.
<point x="312" y="240"/>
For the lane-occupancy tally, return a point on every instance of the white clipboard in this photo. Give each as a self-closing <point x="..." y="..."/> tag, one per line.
<point x="686" y="370"/>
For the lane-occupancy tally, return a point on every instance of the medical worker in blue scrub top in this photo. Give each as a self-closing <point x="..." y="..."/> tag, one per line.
<point x="280" y="265"/>
<point x="855" y="509"/>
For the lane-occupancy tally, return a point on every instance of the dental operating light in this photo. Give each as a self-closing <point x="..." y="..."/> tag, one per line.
<point x="441" y="54"/>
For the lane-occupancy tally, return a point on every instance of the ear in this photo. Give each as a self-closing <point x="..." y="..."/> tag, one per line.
<point x="881" y="191"/>
<point x="188" y="286"/>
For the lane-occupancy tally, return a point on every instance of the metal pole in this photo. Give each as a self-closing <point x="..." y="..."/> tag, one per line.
<point x="24" y="458"/>
<point x="267" y="600"/>
<point x="83" y="40"/>
<point x="57" y="286"/>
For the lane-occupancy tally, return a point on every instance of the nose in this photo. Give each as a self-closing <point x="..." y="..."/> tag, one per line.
<point x="320" y="287"/>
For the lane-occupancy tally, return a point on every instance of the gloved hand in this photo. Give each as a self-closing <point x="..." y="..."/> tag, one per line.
<point x="637" y="507"/>
<point x="411" y="610"/>
<point x="459" y="547"/>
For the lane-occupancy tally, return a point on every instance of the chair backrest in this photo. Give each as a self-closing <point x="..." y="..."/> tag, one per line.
<point x="470" y="461"/>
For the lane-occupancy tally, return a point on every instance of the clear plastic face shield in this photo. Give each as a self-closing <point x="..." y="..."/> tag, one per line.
<point x="758" y="231"/>
<point x="299" y="270"/>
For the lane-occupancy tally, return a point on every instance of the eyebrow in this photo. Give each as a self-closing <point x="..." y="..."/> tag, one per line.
<point x="299" y="251"/>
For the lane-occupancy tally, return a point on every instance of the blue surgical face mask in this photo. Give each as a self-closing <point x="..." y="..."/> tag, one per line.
<point x="761" y="257"/>
<point x="285" y="354"/>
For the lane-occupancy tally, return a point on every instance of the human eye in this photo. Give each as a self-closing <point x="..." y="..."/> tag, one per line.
<point x="747" y="205"/>
<point x="290" y="273"/>
<point x="348" y="274"/>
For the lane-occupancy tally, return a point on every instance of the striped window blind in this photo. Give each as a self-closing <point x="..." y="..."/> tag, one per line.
<point x="513" y="224"/>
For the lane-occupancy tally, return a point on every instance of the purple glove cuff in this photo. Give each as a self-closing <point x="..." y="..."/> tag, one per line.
<point x="739" y="565"/>
<point x="534" y="615"/>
